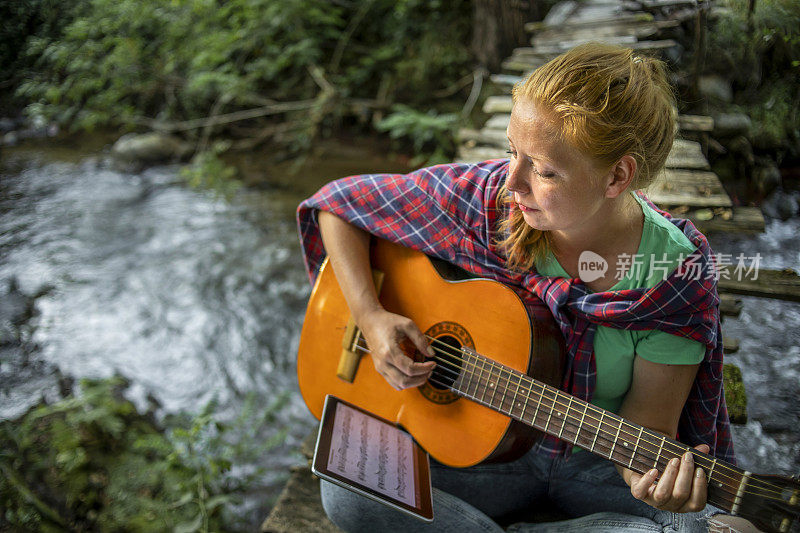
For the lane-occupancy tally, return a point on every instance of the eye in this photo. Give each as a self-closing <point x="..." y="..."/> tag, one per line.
<point x="546" y="175"/>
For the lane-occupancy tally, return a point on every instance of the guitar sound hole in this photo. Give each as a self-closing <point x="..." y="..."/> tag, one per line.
<point x="448" y="362"/>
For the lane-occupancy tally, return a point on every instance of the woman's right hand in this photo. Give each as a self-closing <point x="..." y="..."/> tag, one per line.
<point x="392" y="340"/>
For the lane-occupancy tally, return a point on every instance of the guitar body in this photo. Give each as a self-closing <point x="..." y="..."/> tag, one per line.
<point x="474" y="314"/>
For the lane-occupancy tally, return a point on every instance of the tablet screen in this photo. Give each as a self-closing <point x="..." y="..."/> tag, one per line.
<point x="371" y="456"/>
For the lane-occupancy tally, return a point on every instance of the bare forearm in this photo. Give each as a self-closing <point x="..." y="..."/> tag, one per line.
<point x="348" y="251"/>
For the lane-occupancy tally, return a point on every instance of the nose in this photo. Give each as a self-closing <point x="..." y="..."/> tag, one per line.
<point x="516" y="181"/>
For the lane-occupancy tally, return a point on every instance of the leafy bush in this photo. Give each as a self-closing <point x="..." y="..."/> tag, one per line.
<point x="123" y="60"/>
<point x="763" y="58"/>
<point x="424" y="131"/>
<point x="92" y="462"/>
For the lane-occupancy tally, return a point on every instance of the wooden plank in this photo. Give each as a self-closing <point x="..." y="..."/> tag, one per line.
<point x="505" y="79"/>
<point x="730" y="305"/>
<point x="524" y="65"/>
<point x="498" y="122"/>
<point x="658" y="4"/>
<point x="636" y="30"/>
<point x="695" y="123"/>
<point x="559" y="13"/>
<point x="591" y="23"/>
<point x="479" y="153"/>
<point x="744" y="219"/>
<point x="528" y="59"/>
<point x="688" y="187"/>
<point x="498" y="104"/>
<point x="488" y="137"/>
<point x="729" y="345"/>
<point x="561" y="46"/>
<point x="687" y="154"/>
<point x="766" y="283"/>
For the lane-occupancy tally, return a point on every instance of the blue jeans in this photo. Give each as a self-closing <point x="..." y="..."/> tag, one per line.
<point x="585" y="489"/>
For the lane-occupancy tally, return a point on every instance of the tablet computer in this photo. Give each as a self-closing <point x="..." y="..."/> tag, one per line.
<point x="371" y="456"/>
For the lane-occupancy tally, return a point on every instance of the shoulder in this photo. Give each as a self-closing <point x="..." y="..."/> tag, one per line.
<point x="663" y="247"/>
<point x="468" y="192"/>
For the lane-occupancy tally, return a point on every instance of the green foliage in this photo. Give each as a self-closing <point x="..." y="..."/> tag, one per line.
<point x="125" y="59"/>
<point x="763" y="58"/>
<point x="735" y="395"/>
<point x="424" y="131"/>
<point x="92" y="462"/>
<point x="208" y="172"/>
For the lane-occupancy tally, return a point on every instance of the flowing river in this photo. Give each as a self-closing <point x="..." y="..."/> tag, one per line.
<point x="193" y="298"/>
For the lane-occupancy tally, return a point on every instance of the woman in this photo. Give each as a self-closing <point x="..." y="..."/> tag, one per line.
<point x="586" y="130"/>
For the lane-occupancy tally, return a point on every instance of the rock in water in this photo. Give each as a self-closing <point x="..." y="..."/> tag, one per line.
<point x="150" y="148"/>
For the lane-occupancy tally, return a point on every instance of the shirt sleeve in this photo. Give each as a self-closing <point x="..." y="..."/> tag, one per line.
<point x="447" y="211"/>
<point x="665" y="348"/>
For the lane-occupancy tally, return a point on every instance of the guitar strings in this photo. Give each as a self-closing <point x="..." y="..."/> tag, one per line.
<point x="724" y="499"/>
<point x="555" y="401"/>
<point x="713" y="463"/>
<point x="569" y="408"/>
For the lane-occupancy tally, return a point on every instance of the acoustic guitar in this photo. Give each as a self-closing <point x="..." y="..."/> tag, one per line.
<point x="492" y="393"/>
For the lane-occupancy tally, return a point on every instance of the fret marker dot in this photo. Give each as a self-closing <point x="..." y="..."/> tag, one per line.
<point x="625" y="444"/>
<point x="491" y="384"/>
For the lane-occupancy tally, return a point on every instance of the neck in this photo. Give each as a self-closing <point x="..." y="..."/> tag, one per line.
<point x="605" y="231"/>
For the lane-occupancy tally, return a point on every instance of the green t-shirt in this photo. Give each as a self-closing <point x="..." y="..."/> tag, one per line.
<point x="661" y="250"/>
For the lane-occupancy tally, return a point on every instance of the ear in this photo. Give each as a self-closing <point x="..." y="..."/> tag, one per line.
<point x="620" y="176"/>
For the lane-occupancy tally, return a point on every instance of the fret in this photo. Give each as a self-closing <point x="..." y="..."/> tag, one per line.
<point x="538" y="405"/>
<point x="614" y="441"/>
<point x="486" y="387"/>
<point x="492" y="384"/>
<point x="658" y="455"/>
<point x="635" y="446"/>
<point x="580" y="424"/>
<point x="550" y="415"/>
<point x="599" y="425"/>
<point x="711" y="472"/>
<point x="505" y="394"/>
<point x="565" y="418"/>
<point x="525" y="405"/>
<point x="515" y="400"/>
<point x="740" y="492"/>
<point x="466" y="377"/>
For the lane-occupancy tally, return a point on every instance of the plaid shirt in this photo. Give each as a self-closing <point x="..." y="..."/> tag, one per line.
<point x="452" y="212"/>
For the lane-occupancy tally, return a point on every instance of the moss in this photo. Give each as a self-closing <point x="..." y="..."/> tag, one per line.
<point x="735" y="395"/>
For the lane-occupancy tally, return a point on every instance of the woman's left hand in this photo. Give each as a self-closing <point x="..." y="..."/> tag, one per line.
<point x="681" y="489"/>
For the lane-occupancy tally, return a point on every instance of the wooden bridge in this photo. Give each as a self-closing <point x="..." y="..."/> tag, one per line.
<point x="687" y="187"/>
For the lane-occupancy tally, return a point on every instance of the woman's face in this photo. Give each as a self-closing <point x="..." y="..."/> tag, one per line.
<point x="555" y="185"/>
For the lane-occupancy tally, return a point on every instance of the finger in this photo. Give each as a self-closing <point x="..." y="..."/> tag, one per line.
<point x="697" y="501"/>
<point x="682" y="489"/>
<point x="418" y="339"/>
<point x="398" y="380"/>
<point x="704" y="448"/>
<point x="407" y="366"/>
<point x="641" y="485"/>
<point x="663" y="491"/>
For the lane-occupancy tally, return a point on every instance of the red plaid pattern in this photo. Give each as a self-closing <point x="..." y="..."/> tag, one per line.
<point x="452" y="211"/>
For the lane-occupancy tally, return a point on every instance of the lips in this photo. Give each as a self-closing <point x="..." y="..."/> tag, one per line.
<point x="525" y="208"/>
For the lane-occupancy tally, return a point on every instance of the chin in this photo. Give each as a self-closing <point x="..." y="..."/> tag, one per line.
<point x="535" y="221"/>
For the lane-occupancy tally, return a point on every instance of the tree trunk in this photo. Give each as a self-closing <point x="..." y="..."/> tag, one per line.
<point x="499" y="27"/>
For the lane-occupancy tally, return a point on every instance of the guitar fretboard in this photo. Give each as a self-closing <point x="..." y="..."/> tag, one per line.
<point x="594" y="429"/>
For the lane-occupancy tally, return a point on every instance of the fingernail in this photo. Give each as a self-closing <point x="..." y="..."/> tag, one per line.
<point x="688" y="457"/>
<point x="652" y="472"/>
<point x="674" y="462"/>
<point x="430" y="352"/>
<point x="698" y="473"/>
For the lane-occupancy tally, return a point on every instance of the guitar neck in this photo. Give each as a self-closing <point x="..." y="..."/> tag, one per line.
<point x="596" y="430"/>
